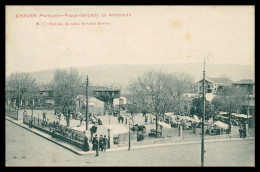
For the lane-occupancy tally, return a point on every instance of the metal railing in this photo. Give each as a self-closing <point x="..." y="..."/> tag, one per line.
<point x="13" y="113"/>
<point x="62" y="131"/>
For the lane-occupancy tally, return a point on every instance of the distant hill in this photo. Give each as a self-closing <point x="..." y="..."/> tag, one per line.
<point x="120" y="75"/>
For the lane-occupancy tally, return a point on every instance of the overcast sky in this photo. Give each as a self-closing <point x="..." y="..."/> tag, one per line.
<point x="152" y="35"/>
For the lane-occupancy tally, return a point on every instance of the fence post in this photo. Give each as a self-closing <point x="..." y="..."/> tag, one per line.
<point x="17" y="114"/>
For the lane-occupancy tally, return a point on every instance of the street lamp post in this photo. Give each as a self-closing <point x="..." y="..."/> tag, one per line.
<point x="79" y="104"/>
<point x="108" y="113"/>
<point x="24" y="105"/>
<point x="129" y="145"/>
<point x="18" y="103"/>
<point x="119" y="106"/>
<point x="87" y="82"/>
<point x="203" y="119"/>
<point x="32" y="108"/>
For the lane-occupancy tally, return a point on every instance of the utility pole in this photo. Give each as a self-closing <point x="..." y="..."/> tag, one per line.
<point x="108" y="104"/>
<point x="129" y="137"/>
<point x="24" y="105"/>
<point x="247" y="126"/>
<point x="87" y="103"/>
<point x="79" y="104"/>
<point x="32" y="108"/>
<point x="18" y="103"/>
<point x="129" y="145"/>
<point x="18" y="95"/>
<point x="119" y="106"/>
<point x="203" y="119"/>
<point x="248" y="103"/>
<point x="120" y="102"/>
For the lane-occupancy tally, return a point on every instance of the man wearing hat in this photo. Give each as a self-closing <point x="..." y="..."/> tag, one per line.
<point x="95" y="144"/>
<point x="101" y="142"/>
<point x="44" y="115"/>
<point x="104" y="143"/>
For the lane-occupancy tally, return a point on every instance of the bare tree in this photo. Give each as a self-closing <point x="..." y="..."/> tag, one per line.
<point x="179" y="83"/>
<point x="66" y="86"/>
<point x="23" y="86"/>
<point x="157" y="92"/>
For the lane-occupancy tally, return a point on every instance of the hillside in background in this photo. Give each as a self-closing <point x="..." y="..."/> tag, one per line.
<point x="120" y="75"/>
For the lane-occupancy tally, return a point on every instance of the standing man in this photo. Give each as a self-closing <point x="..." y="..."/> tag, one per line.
<point x="24" y="114"/>
<point x="59" y="116"/>
<point x="240" y="131"/>
<point x="80" y="118"/>
<point x="118" y="118"/>
<point x="146" y="119"/>
<point x="96" y="145"/>
<point x="244" y="131"/>
<point x="104" y="143"/>
<point x="101" y="143"/>
<point x="44" y="115"/>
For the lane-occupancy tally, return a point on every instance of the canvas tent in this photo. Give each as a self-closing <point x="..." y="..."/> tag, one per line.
<point x="222" y="113"/>
<point x="241" y="115"/>
<point x="221" y="124"/>
<point x="164" y="124"/>
<point x="196" y="118"/>
<point x="187" y="118"/>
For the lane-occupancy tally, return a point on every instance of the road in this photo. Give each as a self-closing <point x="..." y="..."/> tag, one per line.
<point x="24" y="148"/>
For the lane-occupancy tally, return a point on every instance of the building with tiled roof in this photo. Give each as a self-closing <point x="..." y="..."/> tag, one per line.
<point x="212" y="85"/>
<point x="247" y="84"/>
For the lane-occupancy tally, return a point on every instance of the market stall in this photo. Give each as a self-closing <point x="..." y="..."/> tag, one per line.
<point x="217" y="128"/>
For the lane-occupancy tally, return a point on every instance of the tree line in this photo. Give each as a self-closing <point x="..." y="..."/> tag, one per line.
<point x="153" y="92"/>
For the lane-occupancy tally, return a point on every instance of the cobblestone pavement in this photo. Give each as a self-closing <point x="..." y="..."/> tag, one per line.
<point x="24" y="148"/>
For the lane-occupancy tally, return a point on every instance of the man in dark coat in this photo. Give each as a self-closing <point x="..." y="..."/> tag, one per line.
<point x="95" y="144"/>
<point x="44" y="115"/>
<point x="244" y="131"/>
<point x="101" y="143"/>
<point x="104" y="143"/>
<point x="240" y="131"/>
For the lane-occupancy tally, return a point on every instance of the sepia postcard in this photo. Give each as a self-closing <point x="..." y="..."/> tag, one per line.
<point x="130" y="86"/>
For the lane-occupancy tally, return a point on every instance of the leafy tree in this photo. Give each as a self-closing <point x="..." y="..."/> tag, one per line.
<point x="197" y="108"/>
<point x="216" y="106"/>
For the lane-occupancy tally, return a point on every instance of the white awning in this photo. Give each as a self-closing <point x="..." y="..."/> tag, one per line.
<point x="241" y="115"/>
<point x="164" y="124"/>
<point x="187" y="118"/>
<point x="196" y="118"/>
<point x="169" y="113"/>
<point x="223" y="113"/>
<point x="221" y="124"/>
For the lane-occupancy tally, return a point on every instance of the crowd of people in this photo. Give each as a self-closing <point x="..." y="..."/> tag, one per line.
<point x="99" y="144"/>
<point x="242" y="131"/>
